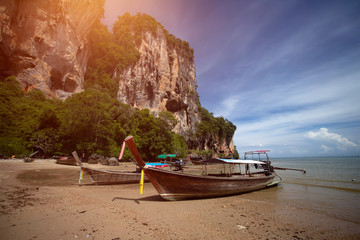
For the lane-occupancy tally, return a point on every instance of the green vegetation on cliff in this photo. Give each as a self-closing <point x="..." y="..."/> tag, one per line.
<point x="211" y="125"/>
<point x="27" y="120"/>
<point x="90" y="122"/>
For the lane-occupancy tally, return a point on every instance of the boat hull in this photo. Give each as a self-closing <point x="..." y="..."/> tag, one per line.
<point x="106" y="177"/>
<point x="180" y="186"/>
<point x="67" y="161"/>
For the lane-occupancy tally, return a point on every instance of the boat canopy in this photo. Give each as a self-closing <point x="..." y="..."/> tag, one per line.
<point x="163" y="156"/>
<point x="239" y="161"/>
<point x="257" y="152"/>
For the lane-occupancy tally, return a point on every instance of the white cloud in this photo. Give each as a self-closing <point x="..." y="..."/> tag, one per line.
<point x="326" y="149"/>
<point x="228" y="105"/>
<point x="324" y="134"/>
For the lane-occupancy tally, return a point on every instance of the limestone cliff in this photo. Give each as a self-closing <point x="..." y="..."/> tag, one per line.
<point x="163" y="79"/>
<point x="44" y="43"/>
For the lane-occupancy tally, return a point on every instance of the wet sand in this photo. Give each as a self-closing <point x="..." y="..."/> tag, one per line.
<point x="42" y="200"/>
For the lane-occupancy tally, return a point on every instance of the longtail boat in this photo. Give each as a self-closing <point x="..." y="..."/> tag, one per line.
<point x="107" y="177"/>
<point x="175" y="185"/>
<point x="66" y="161"/>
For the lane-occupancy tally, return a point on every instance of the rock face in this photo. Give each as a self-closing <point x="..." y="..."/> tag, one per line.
<point x="224" y="147"/>
<point x="44" y="43"/>
<point x="163" y="79"/>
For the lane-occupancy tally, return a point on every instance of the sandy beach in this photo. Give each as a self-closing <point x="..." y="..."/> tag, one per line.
<point x="42" y="200"/>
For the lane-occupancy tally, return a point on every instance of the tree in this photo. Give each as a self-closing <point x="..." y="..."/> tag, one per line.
<point x="87" y="122"/>
<point x="28" y="121"/>
<point x="10" y="142"/>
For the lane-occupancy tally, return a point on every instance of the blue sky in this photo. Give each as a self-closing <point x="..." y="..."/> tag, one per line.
<point x="286" y="73"/>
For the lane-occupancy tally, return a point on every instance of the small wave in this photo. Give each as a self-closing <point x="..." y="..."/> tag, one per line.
<point x="329" y="180"/>
<point x="326" y="186"/>
<point x="339" y="181"/>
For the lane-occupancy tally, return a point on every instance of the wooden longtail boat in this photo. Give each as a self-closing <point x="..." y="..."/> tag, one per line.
<point x="172" y="185"/>
<point x="104" y="176"/>
<point x="66" y="161"/>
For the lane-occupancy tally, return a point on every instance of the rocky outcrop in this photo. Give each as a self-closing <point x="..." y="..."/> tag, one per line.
<point x="221" y="147"/>
<point x="44" y="43"/>
<point x="163" y="79"/>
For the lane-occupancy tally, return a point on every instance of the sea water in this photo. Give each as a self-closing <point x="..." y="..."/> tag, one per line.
<point x="331" y="186"/>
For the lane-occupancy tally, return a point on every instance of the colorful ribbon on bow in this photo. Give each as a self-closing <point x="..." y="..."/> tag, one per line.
<point x="122" y="150"/>
<point x="142" y="181"/>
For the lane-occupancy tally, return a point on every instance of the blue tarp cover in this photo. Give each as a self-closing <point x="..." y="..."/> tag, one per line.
<point x="156" y="164"/>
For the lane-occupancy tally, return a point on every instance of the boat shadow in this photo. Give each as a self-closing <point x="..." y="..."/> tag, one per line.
<point x="154" y="198"/>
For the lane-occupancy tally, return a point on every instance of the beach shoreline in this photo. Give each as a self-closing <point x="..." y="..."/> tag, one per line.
<point x="56" y="207"/>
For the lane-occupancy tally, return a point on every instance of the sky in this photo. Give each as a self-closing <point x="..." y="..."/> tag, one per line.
<point x="285" y="72"/>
